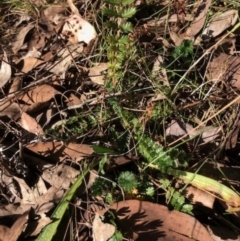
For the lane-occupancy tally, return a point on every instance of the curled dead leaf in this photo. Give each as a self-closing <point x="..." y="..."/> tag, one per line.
<point x="52" y="11"/>
<point x="221" y="22"/>
<point x="60" y="176"/>
<point x="28" y="64"/>
<point x="200" y="197"/>
<point x="11" y="110"/>
<point x="199" y="20"/>
<point x="17" y="44"/>
<point x="96" y="73"/>
<point x="5" y="70"/>
<point x="39" y="94"/>
<point x="13" y="233"/>
<point x="66" y="56"/>
<point x="30" y="124"/>
<point x="16" y="84"/>
<point x="140" y="220"/>
<point x="73" y="100"/>
<point x="102" y="231"/>
<point x="58" y="151"/>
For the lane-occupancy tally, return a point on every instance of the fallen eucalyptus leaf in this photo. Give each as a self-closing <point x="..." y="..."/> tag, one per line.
<point x="5" y="71"/>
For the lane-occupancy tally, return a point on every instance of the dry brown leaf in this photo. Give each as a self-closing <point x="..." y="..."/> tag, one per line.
<point x="57" y="151"/>
<point x="11" y="110"/>
<point x="220" y="22"/>
<point x="52" y="12"/>
<point x="217" y="67"/>
<point x="26" y="192"/>
<point x="41" y="186"/>
<point x="16" y="84"/>
<point x="35" y="107"/>
<point x="60" y="176"/>
<point x="26" y="197"/>
<point x="23" y="18"/>
<point x="96" y="73"/>
<point x="101" y="231"/>
<point x="46" y="115"/>
<point x="38" y="225"/>
<point x="140" y="220"/>
<point x="77" y="30"/>
<point x="39" y="94"/>
<point x="28" y="64"/>
<point x="73" y="100"/>
<point x="32" y="53"/>
<point x="166" y="19"/>
<point x="30" y="124"/>
<point x="158" y="71"/>
<point x="72" y="7"/>
<point x="13" y="233"/>
<point x="207" y="133"/>
<point x="232" y="139"/>
<point x="17" y="44"/>
<point x="198" y="196"/>
<point x="38" y="40"/>
<point x="225" y="68"/>
<point x="175" y="129"/>
<point x="13" y="189"/>
<point x="199" y="20"/>
<point x="66" y="56"/>
<point x="45" y="202"/>
<point x="175" y="38"/>
<point x="5" y="70"/>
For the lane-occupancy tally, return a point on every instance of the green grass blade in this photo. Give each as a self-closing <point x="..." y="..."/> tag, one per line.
<point x="50" y="230"/>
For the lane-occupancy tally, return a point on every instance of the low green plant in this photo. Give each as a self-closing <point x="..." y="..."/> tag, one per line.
<point x="25" y="6"/>
<point x="77" y="125"/>
<point x="184" y="50"/>
<point x="120" y="48"/>
<point x="128" y="181"/>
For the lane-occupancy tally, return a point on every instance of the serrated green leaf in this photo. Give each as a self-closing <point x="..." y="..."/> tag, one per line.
<point x="127" y="2"/>
<point x="126" y="27"/>
<point x="128" y="13"/>
<point x="150" y="191"/>
<point x="187" y="208"/>
<point x="110" y="12"/>
<point x="109" y="198"/>
<point x="113" y="2"/>
<point x="112" y="25"/>
<point x="127" y="181"/>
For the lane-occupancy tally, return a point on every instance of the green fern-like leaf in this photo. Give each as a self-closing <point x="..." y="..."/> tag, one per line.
<point x="177" y="201"/>
<point x="109" y="198"/>
<point x="117" y="236"/>
<point x="187" y="208"/>
<point x="127" y="2"/>
<point x="128" y="13"/>
<point x="165" y="183"/>
<point x="113" y="2"/>
<point x="128" y="181"/>
<point x="110" y="12"/>
<point x="126" y="27"/>
<point x="150" y="191"/>
<point x="185" y="49"/>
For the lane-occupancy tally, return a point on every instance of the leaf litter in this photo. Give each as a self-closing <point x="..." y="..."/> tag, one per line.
<point x="55" y="45"/>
